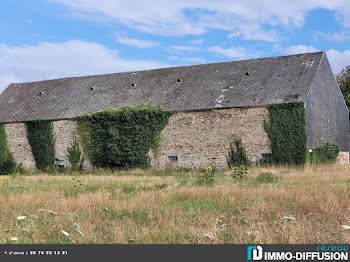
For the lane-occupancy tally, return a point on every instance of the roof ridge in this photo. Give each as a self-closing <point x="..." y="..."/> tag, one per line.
<point x="161" y="68"/>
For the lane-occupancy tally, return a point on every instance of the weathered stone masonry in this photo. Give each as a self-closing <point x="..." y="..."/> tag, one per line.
<point x="202" y="138"/>
<point x="198" y="138"/>
<point x="19" y="145"/>
<point x="64" y="131"/>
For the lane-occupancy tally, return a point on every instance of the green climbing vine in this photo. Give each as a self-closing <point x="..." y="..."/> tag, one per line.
<point x="325" y="154"/>
<point x="122" y="138"/>
<point x="286" y="130"/>
<point x="41" y="139"/>
<point x="7" y="161"/>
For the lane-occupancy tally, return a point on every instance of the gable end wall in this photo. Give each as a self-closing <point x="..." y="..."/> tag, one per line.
<point x="326" y="111"/>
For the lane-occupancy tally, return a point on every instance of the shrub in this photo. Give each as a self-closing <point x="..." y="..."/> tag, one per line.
<point x="237" y="155"/>
<point x="122" y="138"/>
<point x="239" y="173"/>
<point x="286" y="131"/>
<point x="74" y="155"/>
<point x="9" y="166"/>
<point x="207" y="178"/>
<point x="7" y="161"/>
<point x="264" y="162"/>
<point x="41" y="140"/>
<point x="325" y="154"/>
<point x="3" y="144"/>
<point x="267" y="178"/>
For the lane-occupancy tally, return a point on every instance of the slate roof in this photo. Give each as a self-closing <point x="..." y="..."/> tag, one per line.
<point x="244" y="83"/>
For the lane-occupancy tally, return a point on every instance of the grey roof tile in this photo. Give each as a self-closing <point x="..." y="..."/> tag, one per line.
<point x="217" y="85"/>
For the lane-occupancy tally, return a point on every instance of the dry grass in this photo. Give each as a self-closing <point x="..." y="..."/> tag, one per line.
<point x="157" y="207"/>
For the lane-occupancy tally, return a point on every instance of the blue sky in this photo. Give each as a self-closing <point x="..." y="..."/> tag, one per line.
<point x="45" y="39"/>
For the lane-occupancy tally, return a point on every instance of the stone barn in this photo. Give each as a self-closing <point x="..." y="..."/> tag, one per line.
<point x="211" y="103"/>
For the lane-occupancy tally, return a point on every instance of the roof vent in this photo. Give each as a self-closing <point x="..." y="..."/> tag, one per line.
<point x="247" y="74"/>
<point x="41" y="93"/>
<point x="92" y="88"/>
<point x="179" y="80"/>
<point x="133" y="85"/>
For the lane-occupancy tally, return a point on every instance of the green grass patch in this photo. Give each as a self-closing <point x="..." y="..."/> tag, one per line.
<point x="267" y="178"/>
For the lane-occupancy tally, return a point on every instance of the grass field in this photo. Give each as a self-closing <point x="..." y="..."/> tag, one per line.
<point x="140" y="206"/>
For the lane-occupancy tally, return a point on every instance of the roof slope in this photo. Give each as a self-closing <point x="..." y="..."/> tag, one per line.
<point x="217" y="85"/>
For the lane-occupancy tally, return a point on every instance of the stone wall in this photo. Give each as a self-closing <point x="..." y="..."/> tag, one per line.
<point x="197" y="139"/>
<point x="19" y="145"/>
<point x="202" y="138"/>
<point x="343" y="158"/>
<point x="64" y="132"/>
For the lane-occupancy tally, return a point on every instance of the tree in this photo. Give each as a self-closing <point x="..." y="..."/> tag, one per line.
<point x="343" y="79"/>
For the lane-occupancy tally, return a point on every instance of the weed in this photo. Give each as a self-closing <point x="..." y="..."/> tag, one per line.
<point x="207" y="178"/>
<point x="267" y="178"/>
<point x="128" y="188"/>
<point x="239" y="173"/>
<point x="140" y="216"/>
<point x="182" y="182"/>
<point x="160" y="186"/>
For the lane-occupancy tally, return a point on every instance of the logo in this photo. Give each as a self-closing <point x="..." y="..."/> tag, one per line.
<point x="254" y="253"/>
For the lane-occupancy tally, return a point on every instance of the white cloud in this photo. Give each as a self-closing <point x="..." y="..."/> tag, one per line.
<point x="29" y="21"/>
<point x="137" y="42"/>
<point x="277" y="48"/>
<point x="337" y="59"/>
<point x="255" y="32"/>
<point x="55" y="60"/>
<point x="233" y="52"/>
<point x="184" y="17"/>
<point x="173" y="57"/>
<point x="234" y="34"/>
<point x="192" y="60"/>
<point x="195" y="60"/>
<point x="299" y="49"/>
<point x="184" y="48"/>
<point x="199" y="41"/>
<point x="333" y="37"/>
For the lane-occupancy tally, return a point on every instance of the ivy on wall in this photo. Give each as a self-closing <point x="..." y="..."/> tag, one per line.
<point x="325" y="154"/>
<point x="41" y="139"/>
<point x="122" y="138"/>
<point x="7" y="161"/>
<point x="286" y="131"/>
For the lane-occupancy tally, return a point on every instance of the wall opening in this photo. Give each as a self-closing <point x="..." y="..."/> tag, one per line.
<point x="265" y="155"/>
<point x="172" y="159"/>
